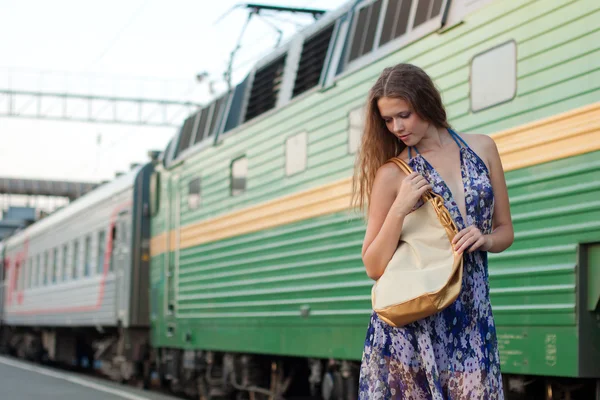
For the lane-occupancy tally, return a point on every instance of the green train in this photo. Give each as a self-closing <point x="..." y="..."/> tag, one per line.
<point x="256" y="283"/>
<point x="256" y="274"/>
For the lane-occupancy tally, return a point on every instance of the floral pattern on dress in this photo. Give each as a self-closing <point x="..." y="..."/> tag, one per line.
<point x="452" y="354"/>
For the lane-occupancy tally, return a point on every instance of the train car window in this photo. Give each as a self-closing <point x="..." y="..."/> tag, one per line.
<point x="28" y="273"/>
<point x="363" y="37"/>
<point x="87" y="261"/>
<point x="101" y="251"/>
<point x="234" y="117"/>
<point x="356" y="124"/>
<point x="296" y="153"/>
<point x="201" y="130"/>
<point x="166" y="154"/>
<point x="155" y="193"/>
<point x="217" y="115"/>
<point x="75" y="264"/>
<point x="54" y="264"/>
<point x="494" y="76"/>
<point x="427" y="9"/>
<point x="20" y="268"/>
<point x="37" y="270"/>
<point x="239" y="173"/>
<point x="113" y="243"/>
<point x="65" y="262"/>
<point x="194" y="194"/>
<point x="23" y="274"/>
<point x="395" y="23"/>
<point x="46" y="268"/>
<point x="371" y="30"/>
<point x="186" y="134"/>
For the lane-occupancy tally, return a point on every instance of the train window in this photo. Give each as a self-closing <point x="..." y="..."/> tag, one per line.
<point x="101" y="250"/>
<point x="27" y="284"/>
<point x="55" y="265"/>
<point x="194" y="194"/>
<point x="427" y="9"/>
<point x="363" y="37"/>
<point x="64" y="264"/>
<point x="296" y="153"/>
<point x="75" y="263"/>
<point x="46" y="268"/>
<point x="356" y="124"/>
<point x="395" y="23"/>
<point x="21" y="273"/>
<point x="406" y="19"/>
<point x="30" y="273"/>
<point x="201" y="130"/>
<point x="155" y="193"/>
<point x="234" y="116"/>
<point x="186" y="134"/>
<point x="36" y="270"/>
<point x="494" y="76"/>
<point x="113" y="242"/>
<point x="217" y="115"/>
<point x="87" y="261"/>
<point x="239" y="173"/>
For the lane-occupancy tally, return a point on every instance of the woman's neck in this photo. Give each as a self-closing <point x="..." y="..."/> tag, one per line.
<point x="434" y="139"/>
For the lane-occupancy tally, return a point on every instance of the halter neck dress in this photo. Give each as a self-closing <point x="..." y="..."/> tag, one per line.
<point x="452" y="354"/>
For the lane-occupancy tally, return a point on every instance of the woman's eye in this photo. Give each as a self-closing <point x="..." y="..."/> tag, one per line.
<point x="404" y="116"/>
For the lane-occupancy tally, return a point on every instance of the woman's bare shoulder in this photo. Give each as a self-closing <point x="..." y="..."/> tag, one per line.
<point x="388" y="172"/>
<point x="387" y="183"/>
<point x="483" y="145"/>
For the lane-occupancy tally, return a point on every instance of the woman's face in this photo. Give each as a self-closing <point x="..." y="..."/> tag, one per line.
<point x="401" y="120"/>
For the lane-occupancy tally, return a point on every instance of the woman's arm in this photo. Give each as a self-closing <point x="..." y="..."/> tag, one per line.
<point x="389" y="203"/>
<point x="502" y="235"/>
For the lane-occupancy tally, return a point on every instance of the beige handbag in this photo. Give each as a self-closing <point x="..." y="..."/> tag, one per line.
<point x="425" y="273"/>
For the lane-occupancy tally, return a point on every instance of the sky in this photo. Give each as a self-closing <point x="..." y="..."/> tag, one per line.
<point x="129" y="48"/>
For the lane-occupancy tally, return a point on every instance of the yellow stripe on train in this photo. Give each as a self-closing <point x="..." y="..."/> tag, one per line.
<point x="563" y="135"/>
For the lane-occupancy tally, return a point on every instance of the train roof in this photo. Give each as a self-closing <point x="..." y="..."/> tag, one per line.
<point x="88" y="200"/>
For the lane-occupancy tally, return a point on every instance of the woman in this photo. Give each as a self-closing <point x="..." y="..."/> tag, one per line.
<point x="452" y="354"/>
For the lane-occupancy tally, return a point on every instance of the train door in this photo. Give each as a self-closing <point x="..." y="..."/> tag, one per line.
<point x="121" y="257"/>
<point x="172" y="260"/>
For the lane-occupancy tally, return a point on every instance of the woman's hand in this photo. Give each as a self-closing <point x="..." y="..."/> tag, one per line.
<point x="471" y="236"/>
<point x="411" y="190"/>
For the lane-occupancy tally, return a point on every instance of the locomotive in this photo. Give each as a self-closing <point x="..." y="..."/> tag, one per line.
<point x="231" y="265"/>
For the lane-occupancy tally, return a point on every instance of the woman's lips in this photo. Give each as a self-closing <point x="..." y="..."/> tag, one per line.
<point x="404" y="137"/>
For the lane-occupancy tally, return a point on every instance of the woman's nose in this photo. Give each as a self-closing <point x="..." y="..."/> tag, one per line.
<point x="398" y="126"/>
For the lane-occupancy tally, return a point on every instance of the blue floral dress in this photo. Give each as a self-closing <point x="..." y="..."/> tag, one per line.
<point x="452" y="354"/>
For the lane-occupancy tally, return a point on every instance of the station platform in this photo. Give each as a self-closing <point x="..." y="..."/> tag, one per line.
<point x="20" y="380"/>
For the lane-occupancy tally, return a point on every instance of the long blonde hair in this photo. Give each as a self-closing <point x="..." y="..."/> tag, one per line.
<point x="402" y="81"/>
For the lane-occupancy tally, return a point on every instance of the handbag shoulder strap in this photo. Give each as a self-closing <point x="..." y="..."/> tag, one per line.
<point x="401" y="164"/>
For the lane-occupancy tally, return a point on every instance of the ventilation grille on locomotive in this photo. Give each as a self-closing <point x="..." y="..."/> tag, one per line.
<point x="312" y="59"/>
<point x="186" y="134"/>
<point x="209" y="119"/>
<point x="265" y="88"/>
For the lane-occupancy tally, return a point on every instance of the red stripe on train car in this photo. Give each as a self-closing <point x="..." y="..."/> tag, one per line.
<point x="106" y="267"/>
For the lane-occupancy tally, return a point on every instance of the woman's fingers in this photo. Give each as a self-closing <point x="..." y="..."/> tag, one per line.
<point x="463" y="235"/>
<point x="468" y="241"/>
<point x="477" y="245"/>
<point x="420" y="184"/>
<point x="412" y="176"/>
<point x="460" y="234"/>
<point x="423" y="189"/>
